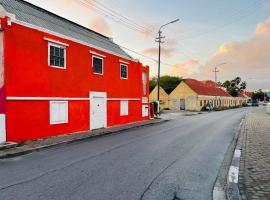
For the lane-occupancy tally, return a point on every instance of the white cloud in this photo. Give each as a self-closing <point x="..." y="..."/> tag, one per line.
<point x="248" y="59"/>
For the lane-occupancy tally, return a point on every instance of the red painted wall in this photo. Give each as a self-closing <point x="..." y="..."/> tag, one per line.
<point x="27" y="74"/>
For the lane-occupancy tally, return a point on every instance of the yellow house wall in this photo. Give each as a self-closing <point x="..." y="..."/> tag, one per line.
<point x="183" y="91"/>
<point x="163" y="96"/>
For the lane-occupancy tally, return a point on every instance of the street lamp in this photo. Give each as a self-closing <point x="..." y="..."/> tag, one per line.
<point x="216" y="71"/>
<point x="159" y="40"/>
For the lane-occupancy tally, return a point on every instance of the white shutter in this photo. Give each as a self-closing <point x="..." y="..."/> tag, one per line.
<point x="58" y="112"/>
<point x="123" y="108"/>
<point x="2" y="128"/>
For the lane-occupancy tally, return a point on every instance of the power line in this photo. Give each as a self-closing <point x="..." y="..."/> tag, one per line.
<point x="133" y="22"/>
<point x="113" y="15"/>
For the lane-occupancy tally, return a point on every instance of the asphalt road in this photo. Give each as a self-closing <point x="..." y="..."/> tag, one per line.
<point x="181" y="157"/>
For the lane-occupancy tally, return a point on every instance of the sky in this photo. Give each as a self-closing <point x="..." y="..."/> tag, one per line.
<point x="209" y="32"/>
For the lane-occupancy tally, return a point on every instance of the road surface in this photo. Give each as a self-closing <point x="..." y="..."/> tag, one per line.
<point x="177" y="158"/>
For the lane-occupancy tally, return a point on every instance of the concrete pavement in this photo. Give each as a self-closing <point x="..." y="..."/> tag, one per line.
<point x="179" y="159"/>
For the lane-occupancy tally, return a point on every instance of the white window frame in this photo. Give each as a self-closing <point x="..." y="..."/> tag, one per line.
<point x="124" y="108"/>
<point x="120" y="70"/>
<point x="51" y="113"/>
<point x="65" y="55"/>
<point x="102" y="59"/>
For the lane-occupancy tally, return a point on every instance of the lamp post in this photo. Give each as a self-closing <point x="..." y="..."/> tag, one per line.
<point x="216" y="71"/>
<point x="159" y="40"/>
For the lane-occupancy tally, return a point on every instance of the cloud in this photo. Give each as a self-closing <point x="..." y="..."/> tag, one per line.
<point x="99" y="24"/>
<point x="185" y="69"/>
<point x="248" y="59"/>
<point x="165" y="52"/>
<point x="263" y="27"/>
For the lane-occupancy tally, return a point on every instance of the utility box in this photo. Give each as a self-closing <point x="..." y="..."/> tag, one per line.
<point x="268" y="108"/>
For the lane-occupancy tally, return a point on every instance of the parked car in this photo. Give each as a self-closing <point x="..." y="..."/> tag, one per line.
<point x="255" y="103"/>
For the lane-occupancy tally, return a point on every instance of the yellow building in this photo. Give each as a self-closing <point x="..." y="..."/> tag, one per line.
<point x="193" y="95"/>
<point x="163" y="96"/>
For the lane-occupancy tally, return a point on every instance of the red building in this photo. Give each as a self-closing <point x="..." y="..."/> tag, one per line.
<point x="58" y="77"/>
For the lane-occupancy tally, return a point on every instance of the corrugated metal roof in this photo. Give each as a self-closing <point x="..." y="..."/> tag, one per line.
<point x="34" y="15"/>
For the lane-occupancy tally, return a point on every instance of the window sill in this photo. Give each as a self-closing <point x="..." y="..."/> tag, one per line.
<point x="55" y="123"/>
<point x="57" y="67"/>
<point x="97" y="74"/>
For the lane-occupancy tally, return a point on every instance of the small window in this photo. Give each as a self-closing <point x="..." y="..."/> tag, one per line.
<point x="123" y="108"/>
<point x="58" y="112"/>
<point x="57" y="56"/>
<point x="97" y="65"/>
<point x="123" y="71"/>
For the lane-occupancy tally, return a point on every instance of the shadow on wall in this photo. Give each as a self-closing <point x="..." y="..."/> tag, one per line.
<point x="2" y="100"/>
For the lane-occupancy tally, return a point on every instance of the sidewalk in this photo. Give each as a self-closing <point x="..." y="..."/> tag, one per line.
<point x="254" y="176"/>
<point x="35" y="145"/>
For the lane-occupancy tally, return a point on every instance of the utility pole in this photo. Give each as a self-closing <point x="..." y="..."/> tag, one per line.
<point x="159" y="40"/>
<point x="216" y="81"/>
<point x="216" y="71"/>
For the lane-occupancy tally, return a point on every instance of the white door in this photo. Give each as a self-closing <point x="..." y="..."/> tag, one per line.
<point x="2" y="128"/>
<point x="98" y="110"/>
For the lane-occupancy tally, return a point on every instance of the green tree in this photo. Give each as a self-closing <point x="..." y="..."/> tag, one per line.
<point x="152" y="84"/>
<point x="235" y="86"/>
<point x="258" y="95"/>
<point x="168" y="83"/>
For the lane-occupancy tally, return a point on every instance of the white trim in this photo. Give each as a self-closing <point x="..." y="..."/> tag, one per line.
<point x="65" y="55"/>
<point x="97" y="54"/>
<point x="69" y="38"/>
<point x="124" y="62"/>
<point x="47" y="98"/>
<point x="94" y="56"/>
<point x="92" y="95"/>
<point x="123" y="99"/>
<point x="56" y="42"/>
<point x="2" y="128"/>
<point x="59" y="122"/>
<point x="13" y="98"/>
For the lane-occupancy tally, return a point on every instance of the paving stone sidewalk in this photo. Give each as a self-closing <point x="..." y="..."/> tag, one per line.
<point x="35" y="145"/>
<point x="254" y="177"/>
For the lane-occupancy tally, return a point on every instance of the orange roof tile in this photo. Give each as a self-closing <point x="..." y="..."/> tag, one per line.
<point x="208" y="88"/>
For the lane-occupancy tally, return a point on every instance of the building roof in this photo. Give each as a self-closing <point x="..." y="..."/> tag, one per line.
<point x="249" y="94"/>
<point x="31" y="14"/>
<point x="242" y="94"/>
<point x="205" y="88"/>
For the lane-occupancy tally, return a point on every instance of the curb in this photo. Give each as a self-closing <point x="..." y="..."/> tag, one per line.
<point x="90" y="136"/>
<point x="220" y="189"/>
<point x="232" y="190"/>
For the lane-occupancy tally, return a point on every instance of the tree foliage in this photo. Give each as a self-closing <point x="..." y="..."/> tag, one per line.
<point x="259" y="95"/>
<point x="235" y="86"/>
<point x="168" y="83"/>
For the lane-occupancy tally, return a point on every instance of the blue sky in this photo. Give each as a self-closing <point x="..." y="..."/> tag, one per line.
<point x="190" y="44"/>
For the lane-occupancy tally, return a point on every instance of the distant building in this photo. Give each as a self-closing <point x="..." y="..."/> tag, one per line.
<point x="193" y="95"/>
<point x="164" y="97"/>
